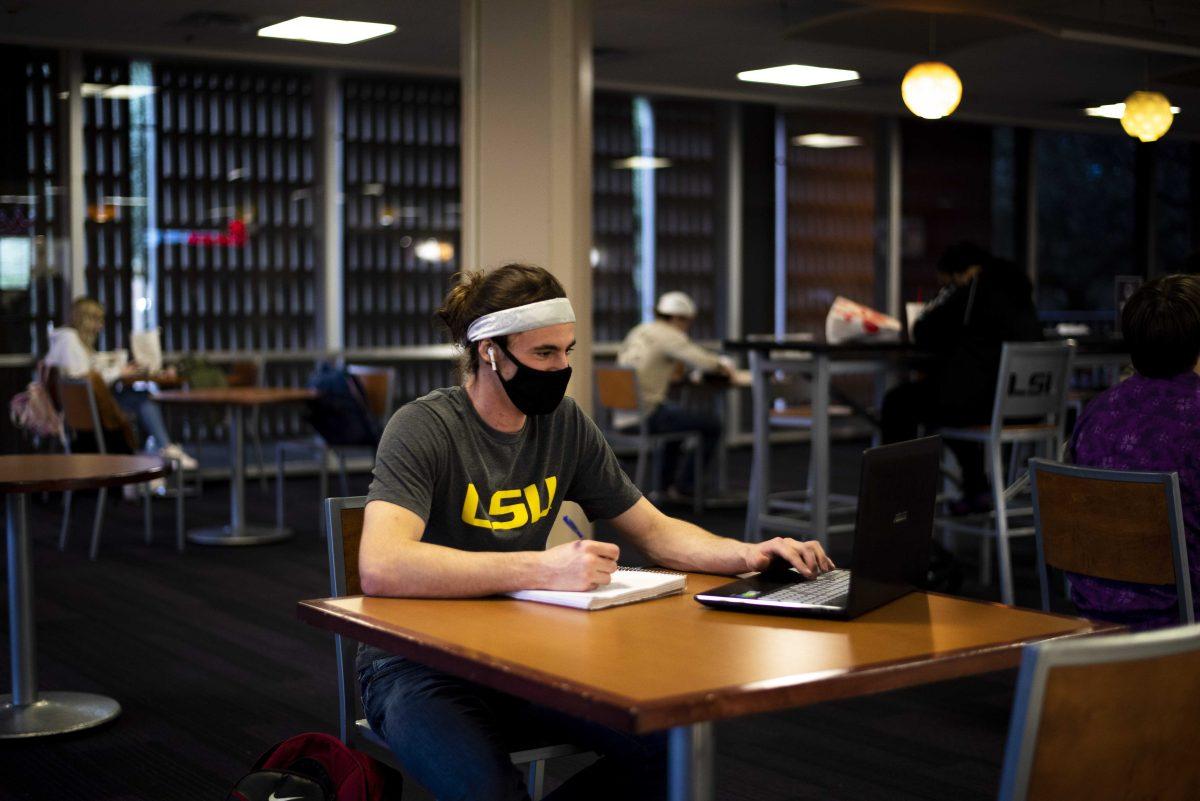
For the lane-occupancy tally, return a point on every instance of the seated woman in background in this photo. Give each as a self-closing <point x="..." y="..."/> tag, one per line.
<point x="1150" y="421"/>
<point x="73" y="352"/>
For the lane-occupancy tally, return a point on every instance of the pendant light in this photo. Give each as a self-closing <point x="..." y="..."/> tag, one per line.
<point x="931" y="89"/>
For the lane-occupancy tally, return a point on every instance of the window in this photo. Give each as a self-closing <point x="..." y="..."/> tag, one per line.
<point x="1085" y="215"/>
<point x="402" y="212"/>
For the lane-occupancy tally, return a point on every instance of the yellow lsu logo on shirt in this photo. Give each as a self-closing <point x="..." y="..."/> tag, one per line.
<point x="521" y="507"/>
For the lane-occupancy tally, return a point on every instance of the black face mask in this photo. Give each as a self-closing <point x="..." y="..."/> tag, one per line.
<point x="535" y="392"/>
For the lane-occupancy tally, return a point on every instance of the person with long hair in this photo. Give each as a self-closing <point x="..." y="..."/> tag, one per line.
<point x="467" y="484"/>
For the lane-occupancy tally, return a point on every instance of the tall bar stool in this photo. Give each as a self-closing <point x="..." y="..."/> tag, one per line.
<point x="1028" y="412"/>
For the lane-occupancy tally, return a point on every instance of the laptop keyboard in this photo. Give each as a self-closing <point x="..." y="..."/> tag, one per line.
<point x="821" y="591"/>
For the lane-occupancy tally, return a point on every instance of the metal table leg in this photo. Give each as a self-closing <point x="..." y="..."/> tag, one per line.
<point x="237" y="532"/>
<point x="760" y="468"/>
<point x="25" y="712"/>
<point x="819" y="463"/>
<point x="690" y="763"/>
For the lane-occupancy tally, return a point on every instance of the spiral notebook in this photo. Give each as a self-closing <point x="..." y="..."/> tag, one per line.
<point x="629" y="585"/>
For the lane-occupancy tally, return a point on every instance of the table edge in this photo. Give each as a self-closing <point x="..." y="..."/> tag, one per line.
<point x="93" y="482"/>
<point x="627" y="714"/>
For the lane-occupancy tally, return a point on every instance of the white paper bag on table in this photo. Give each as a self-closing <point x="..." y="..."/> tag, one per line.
<point x="849" y="321"/>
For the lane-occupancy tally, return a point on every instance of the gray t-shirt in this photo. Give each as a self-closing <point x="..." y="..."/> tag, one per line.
<point x="479" y="489"/>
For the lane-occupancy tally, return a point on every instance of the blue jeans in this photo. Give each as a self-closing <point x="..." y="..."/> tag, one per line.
<point x="149" y="416"/>
<point x="670" y="417"/>
<point x="454" y="737"/>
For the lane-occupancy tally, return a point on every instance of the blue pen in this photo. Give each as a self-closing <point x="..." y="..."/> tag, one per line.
<point x="574" y="528"/>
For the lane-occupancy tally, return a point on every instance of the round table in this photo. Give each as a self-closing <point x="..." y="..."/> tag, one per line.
<point x="237" y="400"/>
<point x="25" y="712"/>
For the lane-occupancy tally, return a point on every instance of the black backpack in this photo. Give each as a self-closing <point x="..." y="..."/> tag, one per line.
<point x="340" y="413"/>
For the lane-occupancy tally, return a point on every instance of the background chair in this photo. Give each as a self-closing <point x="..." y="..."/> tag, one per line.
<point x="82" y="400"/>
<point x="617" y="391"/>
<point x="1110" y="524"/>
<point x="379" y="390"/>
<point x="344" y="525"/>
<point x="1106" y="717"/>
<point x="1028" y="412"/>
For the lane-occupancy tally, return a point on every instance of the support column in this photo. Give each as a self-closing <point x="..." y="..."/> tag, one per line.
<point x="329" y="210"/>
<point x="74" y="195"/>
<point x="527" y="148"/>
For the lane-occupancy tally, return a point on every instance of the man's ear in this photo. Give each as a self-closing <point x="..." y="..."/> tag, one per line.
<point x="487" y="350"/>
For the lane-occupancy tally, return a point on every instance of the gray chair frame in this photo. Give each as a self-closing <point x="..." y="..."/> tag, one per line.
<point x="1040" y="659"/>
<point x="354" y="730"/>
<point x="317" y="448"/>
<point x="1018" y="360"/>
<point x="102" y="494"/>
<point x="647" y="444"/>
<point x="1171" y="497"/>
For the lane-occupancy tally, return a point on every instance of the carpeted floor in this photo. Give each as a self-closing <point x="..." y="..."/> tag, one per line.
<point x="211" y="667"/>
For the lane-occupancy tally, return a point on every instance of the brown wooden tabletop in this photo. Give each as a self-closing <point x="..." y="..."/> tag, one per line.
<point x="237" y="396"/>
<point x="671" y="661"/>
<point x="51" y="472"/>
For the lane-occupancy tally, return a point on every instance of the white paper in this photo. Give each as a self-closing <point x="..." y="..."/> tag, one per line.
<point x="627" y="587"/>
<point x="147" y="349"/>
<point x="848" y="321"/>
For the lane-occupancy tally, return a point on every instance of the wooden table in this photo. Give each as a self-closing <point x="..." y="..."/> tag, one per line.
<point x="673" y="664"/>
<point x="25" y="712"/>
<point x="237" y="400"/>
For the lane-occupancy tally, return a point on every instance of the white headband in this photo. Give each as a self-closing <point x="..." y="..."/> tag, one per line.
<point x="521" y="318"/>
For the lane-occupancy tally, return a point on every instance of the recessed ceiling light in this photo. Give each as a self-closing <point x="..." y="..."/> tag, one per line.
<point x="1114" y="111"/>
<point x="826" y="141"/>
<point x="799" y="75"/>
<point x="641" y="163"/>
<point x="329" y="31"/>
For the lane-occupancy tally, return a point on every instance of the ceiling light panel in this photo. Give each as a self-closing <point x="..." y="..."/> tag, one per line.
<point x="327" y="31"/>
<point x="799" y="75"/>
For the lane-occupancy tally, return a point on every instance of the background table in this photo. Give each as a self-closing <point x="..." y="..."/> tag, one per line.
<point x="237" y="400"/>
<point x="25" y="712"/>
<point x="674" y="664"/>
<point x="818" y="361"/>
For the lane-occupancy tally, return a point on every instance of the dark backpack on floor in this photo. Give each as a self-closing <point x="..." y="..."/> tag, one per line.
<point x="340" y="413"/>
<point x="311" y="767"/>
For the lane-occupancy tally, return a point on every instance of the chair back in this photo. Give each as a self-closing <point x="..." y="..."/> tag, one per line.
<point x="1106" y="717"/>
<point x="379" y="387"/>
<point x="1032" y="383"/>
<point x="244" y="373"/>
<point x="80" y="413"/>
<point x="617" y="388"/>
<point x="1111" y="524"/>
<point x="343" y="529"/>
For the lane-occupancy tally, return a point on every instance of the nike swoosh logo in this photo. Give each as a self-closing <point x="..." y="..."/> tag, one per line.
<point x="273" y="797"/>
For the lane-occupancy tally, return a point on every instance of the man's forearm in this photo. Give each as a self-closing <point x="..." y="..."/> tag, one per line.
<point x="681" y="545"/>
<point x="424" y="570"/>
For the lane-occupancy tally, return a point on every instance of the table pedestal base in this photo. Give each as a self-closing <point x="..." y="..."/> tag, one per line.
<point x="245" y="535"/>
<point x="55" y="713"/>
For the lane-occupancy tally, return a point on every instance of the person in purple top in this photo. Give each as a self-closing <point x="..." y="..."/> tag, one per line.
<point x="1150" y="421"/>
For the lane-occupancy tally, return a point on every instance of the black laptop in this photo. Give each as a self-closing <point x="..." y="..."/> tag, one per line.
<point x="892" y="536"/>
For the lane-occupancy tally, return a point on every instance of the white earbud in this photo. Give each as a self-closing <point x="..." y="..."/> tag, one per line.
<point x="492" y="356"/>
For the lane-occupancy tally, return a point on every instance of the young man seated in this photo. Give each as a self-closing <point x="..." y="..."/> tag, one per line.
<point x="658" y="350"/>
<point x="441" y="521"/>
<point x="1150" y="421"/>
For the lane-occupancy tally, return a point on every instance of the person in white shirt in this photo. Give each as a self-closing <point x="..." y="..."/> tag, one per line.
<point x="73" y="352"/>
<point x="659" y="350"/>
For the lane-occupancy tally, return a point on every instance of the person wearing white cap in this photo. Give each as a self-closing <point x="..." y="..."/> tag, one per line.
<point x="658" y="351"/>
<point x="467" y="483"/>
